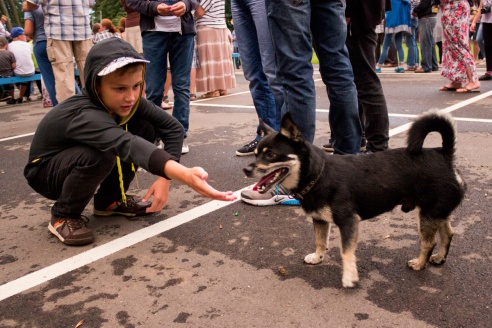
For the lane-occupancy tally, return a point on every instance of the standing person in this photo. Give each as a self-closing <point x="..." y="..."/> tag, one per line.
<point x="168" y="29"/>
<point x="458" y="64"/>
<point x="411" y="41"/>
<point x="485" y="14"/>
<point x="293" y="50"/>
<point x="398" y="22"/>
<point x="235" y="48"/>
<point x="258" y="61"/>
<point x="23" y="56"/>
<point x="66" y="40"/>
<point x="34" y="25"/>
<point x="216" y="72"/>
<point x="74" y="149"/>
<point x="7" y="66"/>
<point x="132" y="28"/>
<point x="438" y="36"/>
<point x="362" y="18"/>
<point x="427" y="23"/>
<point x="3" y="31"/>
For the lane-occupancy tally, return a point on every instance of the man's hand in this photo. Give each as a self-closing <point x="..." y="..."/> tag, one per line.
<point x="178" y="9"/>
<point x="163" y="9"/>
<point x="160" y="191"/>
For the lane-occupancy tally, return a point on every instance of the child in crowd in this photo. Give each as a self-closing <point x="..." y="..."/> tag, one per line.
<point x="107" y="30"/>
<point x="7" y="65"/>
<point x="98" y="138"/>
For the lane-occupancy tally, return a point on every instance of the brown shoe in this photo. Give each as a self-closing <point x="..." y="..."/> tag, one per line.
<point x="421" y="70"/>
<point x="71" y="231"/>
<point x="132" y="208"/>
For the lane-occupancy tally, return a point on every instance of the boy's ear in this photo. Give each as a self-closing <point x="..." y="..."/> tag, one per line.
<point x="266" y="128"/>
<point x="289" y="129"/>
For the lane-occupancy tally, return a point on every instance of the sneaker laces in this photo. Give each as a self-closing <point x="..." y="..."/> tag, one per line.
<point x="76" y="223"/>
<point x="253" y="143"/>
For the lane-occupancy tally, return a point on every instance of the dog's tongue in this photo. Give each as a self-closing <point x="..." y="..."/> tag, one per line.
<point x="265" y="181"/>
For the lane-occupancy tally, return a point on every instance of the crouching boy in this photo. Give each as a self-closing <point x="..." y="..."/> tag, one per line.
<point x="99" y="138"/>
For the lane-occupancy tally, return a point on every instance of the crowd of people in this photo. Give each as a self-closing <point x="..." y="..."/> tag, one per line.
<point x="123" y="73"/>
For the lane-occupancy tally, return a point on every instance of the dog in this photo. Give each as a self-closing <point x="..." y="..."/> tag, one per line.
<point x="347" y="189"/>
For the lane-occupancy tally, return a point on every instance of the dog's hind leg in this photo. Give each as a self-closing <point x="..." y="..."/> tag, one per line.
<point x="446" y="235"/>
<point x="427" y="230"/>
<point x="321" y="228"/>
<point x="349" y="235"/>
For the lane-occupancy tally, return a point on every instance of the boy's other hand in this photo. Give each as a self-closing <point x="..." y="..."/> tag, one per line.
<point x="160" y="191"/>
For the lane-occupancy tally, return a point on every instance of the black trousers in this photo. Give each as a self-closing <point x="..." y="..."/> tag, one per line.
<point x="487" y="44"/>
<point x="72" y="176"/>
<point x="372" y="103"/>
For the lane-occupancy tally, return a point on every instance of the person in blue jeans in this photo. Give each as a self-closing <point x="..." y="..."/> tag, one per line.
<point x="258" y="60"/>
<point x="411" y="42"/>
<point x="427" y="23"/>
<point x="168" y="27"/>
<point x="34" y="25"/>
<point x="295" y="27"/>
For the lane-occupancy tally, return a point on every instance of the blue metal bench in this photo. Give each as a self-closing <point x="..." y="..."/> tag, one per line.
<point x="19" y="79"/>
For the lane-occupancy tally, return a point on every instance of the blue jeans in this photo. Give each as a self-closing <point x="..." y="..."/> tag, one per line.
<point x="427" y="44"/>
<point x="156" y="46"/>
<point x="258" y="59"/>
<point x="413" y="51"/>
<point x="291" y="24"/>
<point x="388" y="38"/>
<point x="46" y="70"/>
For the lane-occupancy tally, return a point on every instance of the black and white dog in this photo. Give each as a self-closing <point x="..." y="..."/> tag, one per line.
<point x="347" y="189"/>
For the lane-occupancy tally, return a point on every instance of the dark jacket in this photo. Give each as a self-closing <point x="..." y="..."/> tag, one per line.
<point x="84" y="119"/>
<point x="148" y="10"/>
<point x="424" y="9"/>
<point x="366" y="14"/>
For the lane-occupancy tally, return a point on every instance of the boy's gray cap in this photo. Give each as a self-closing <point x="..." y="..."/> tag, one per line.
<point x="3" y="41"/>
<point x="118" y="63"/>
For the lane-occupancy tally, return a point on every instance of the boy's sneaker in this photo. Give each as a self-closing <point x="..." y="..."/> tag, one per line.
<point x="275" y="196"/>
<point x="71" y="231"/>
<point x="132" y="208"/>
<point x="248" y="149"/>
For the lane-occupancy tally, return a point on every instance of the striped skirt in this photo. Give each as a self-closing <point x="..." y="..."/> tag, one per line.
<point x="215" y="52"/>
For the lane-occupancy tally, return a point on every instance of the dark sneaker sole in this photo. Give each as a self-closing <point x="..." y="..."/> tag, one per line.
<point x="109" y="213"/>
<point x="72" y="242"/>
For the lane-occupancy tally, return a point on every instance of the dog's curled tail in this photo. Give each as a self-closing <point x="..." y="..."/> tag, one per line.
<point x="433" y="121"/>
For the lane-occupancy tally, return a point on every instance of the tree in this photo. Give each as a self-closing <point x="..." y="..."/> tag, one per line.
<point x="111" y="9"/>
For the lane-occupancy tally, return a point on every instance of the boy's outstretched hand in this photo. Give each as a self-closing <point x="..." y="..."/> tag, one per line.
<point x="196" y="177"/>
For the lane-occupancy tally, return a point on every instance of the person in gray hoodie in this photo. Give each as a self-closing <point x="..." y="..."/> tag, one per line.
<point x="98" y="138"/>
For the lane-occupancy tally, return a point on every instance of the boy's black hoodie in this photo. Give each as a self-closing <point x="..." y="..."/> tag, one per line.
<point x="84" y="119"/>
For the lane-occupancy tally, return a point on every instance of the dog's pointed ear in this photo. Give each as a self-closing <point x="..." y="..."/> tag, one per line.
<point x="266" y="128"/>
<point x="289" y="129"/>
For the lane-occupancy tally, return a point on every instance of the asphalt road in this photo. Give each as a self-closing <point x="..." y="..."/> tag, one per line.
<point x="214" y="264"/>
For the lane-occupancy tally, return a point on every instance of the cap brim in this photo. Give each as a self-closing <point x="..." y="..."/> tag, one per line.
<point x="118" y="63"/>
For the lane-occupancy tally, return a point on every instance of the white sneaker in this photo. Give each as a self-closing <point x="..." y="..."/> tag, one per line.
<point x="275" y="196"/>
<point x="185" y="149"/>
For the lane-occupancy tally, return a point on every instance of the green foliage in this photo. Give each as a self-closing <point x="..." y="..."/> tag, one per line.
<point x="111" y="9"/>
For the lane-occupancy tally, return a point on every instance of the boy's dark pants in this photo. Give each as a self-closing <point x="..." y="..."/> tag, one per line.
<point x="72" y="176"/>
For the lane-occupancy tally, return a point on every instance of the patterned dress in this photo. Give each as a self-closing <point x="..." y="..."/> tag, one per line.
<point x="456" y="49"/>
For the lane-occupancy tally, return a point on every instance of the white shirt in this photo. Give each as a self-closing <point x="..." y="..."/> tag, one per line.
<point x="23" y="56"/>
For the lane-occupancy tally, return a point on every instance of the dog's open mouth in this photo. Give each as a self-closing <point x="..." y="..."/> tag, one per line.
<point x="271" y="179"/>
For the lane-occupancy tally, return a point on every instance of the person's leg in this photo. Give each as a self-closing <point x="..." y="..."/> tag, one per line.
<point x="427" y="44"/>
<point x="399" y="48"/>
<point x="180" y="57"/>
<point x="254" y="41"/>
<point x="110" y="190"/>
<point x="155" y="47"/>
<point x="329" y="34"/>
<point x="80" y="51"/>
<point x="293" y="50"/>
<point x="412" y="46"/>
<point x="487" y="39"/>
<point x="384" y="52"/>
<point x="61" y="58"/>
<point x="372" y="103"/>
<point x="480" y="40"/>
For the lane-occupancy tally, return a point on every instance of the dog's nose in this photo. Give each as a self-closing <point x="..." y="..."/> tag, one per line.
<point x="248" y="170"/>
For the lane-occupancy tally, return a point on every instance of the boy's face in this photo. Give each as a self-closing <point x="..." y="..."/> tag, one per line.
<point x="119" y="92"/>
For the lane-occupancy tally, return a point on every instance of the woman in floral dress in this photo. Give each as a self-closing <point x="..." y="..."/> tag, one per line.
<point x="457" y="64"/>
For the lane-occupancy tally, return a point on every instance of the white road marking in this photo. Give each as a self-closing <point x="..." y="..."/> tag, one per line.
<point x="57" y="269"/>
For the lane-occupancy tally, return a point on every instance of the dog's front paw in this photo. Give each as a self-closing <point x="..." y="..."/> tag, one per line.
<point x="437" y="259"/>
<point x="348" y="282"/>
<point x="313" y="259"/>
<point x="416" y="264"/>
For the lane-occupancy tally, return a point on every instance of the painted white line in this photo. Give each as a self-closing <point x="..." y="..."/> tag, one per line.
<point x="38" y="277"/>
<point x="43" y="275"/>
<point x="17" y="137"/>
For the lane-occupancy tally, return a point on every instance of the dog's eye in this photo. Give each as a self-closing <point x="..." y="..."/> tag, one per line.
<point x="270" y="155"/>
